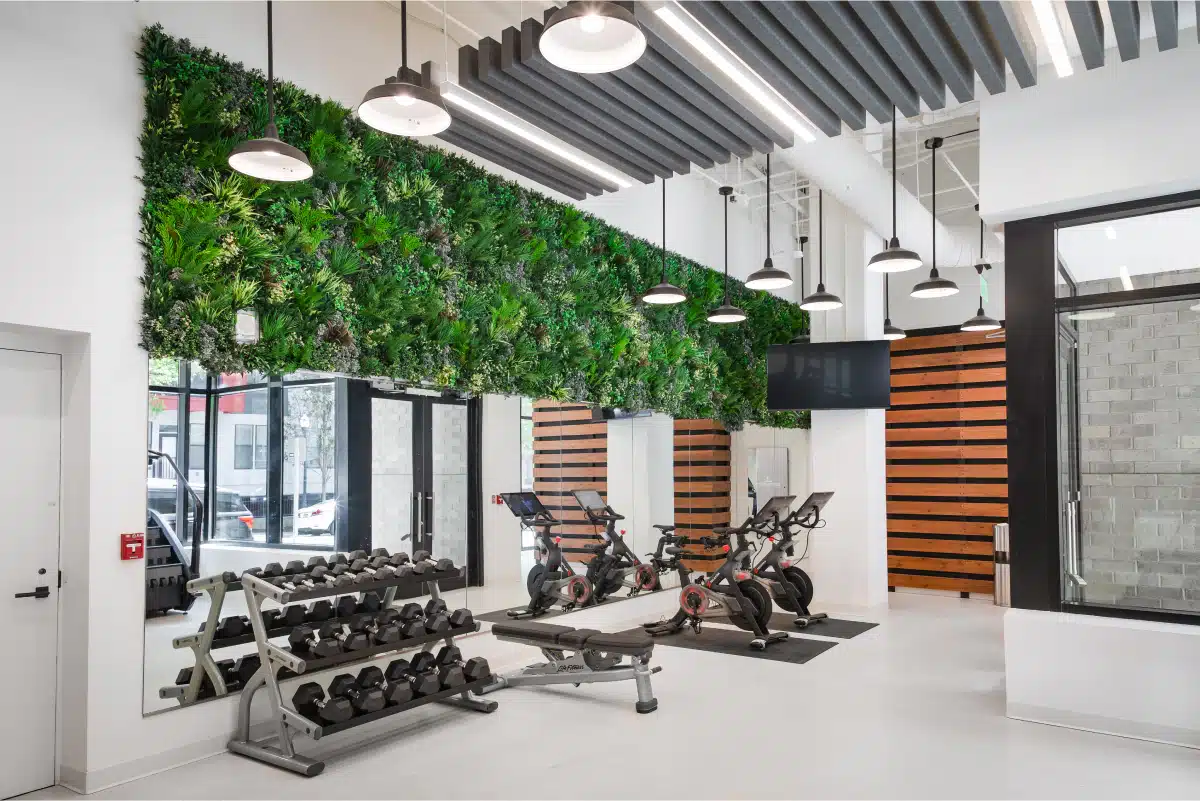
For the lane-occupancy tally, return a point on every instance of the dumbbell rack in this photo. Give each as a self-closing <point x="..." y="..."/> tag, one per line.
<point x="204" y="642"/>
<point x="281" y="751"/>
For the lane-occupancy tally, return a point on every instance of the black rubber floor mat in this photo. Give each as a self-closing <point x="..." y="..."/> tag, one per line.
<point x="501" y="615"/>
<point x="796" y="650"/>
<point x="830" y="627"/>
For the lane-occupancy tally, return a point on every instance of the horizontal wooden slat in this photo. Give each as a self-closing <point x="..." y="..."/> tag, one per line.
<point x="968" y="395"/>
<point x="944" y="565"/>
<point x="923" y="342"/>
<point x="967" y="470"/>
<point x="550" y="459"/>
<point x="701" y="486"/>
<point x="983" y="586"/>
<point x="721" y="441"/>
<point x="569" y="470"/>
<point x="947" y="452"/>
<point x="709" y="502"/>
<point x="939" y="546"/>
<point x="948" y="509"/>
<point x="982" y="356"/>
<point x="701" y="518"/>
<point x="705" y="470"/>
<point x="702" y="456"/>
<point x="948" y="490"/>
<point x="702" y="565"/>
<point x="964" y="528"/>
<point x="586" y="429"/>
<point x="698" y="425"/>
<point x="982" y="375"/>
<point x="949" y="415"/>
<point x="559" y="415"/>
<point x="947" y="433"/>
<point x="566" y="487"/>
<point x="585" y="444"/>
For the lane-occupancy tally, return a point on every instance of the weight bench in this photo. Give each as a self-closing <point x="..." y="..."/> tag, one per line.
<point x="594" y="656"/>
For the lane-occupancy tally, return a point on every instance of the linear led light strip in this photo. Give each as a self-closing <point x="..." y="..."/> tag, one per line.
<point x="1053" y="36"/>
<point x="476" y="105"/>
<point x="760" y="90"/>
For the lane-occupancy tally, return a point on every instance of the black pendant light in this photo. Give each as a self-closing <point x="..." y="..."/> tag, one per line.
<point x="768" y="277"/>
<point x="981" y="322"/>
<point x="893" y="258"/>
<point x="270" y="158"/>
<point x="821" y="300"/>
<point x="401" y="105"/>
<point x="726" y="312"/>
<point x="890" y="332"/>
<point x="665" y="293"/>
<point x="935" y="286"/>
<point x="591" y="36"/>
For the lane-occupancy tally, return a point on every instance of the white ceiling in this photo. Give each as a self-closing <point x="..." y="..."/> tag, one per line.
<point x="1153" y="243"/>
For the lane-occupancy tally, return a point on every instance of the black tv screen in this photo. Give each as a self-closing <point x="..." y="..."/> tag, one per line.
<point x="829" y="375"/>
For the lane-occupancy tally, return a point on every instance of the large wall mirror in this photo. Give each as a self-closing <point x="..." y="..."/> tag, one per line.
<point x="244" y="470"/>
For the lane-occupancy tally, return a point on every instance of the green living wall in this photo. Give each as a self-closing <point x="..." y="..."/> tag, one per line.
<point x="401" y="260"/>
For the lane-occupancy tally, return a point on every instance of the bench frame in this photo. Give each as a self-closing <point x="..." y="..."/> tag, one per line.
<point x="583" y="665"/>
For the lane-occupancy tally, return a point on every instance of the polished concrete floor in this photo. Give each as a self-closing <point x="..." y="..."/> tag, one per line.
<point x="913" y="708"/>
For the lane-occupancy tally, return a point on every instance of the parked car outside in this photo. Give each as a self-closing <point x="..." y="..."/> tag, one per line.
<point x="234" y="520"/>
<point x="317" y="519"/>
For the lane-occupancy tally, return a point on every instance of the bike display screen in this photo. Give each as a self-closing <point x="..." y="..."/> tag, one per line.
<point x="815" y="502"/>
<point x="523" y="504"/>
<point x="590" y="499"/>
<point x="776" y="506"/>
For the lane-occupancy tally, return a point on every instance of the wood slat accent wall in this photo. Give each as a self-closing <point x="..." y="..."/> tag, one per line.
<point x="947" y="469"/>
<point x="570" y="452"/>
<point x="702" y="485"/>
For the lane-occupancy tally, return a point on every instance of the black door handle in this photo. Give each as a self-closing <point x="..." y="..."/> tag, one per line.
<point x="38" y="592"/>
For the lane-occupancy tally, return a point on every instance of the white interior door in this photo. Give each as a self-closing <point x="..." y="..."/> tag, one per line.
<point x="30" y="420"/>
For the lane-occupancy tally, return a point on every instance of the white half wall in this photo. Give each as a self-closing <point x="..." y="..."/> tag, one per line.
<point x="1132" y="678"/>
<point x="1123" y="132"/>
<point x="501" y="472"/>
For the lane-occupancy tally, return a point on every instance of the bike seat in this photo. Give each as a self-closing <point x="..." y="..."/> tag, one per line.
<point x="665" y="529"/>
<point x="673" y="550"/>
<point x="596" y="549"/>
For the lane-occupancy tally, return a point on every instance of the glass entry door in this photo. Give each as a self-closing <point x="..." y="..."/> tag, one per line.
<point x="1073" y="583"/>
<point x="421" y="459"/>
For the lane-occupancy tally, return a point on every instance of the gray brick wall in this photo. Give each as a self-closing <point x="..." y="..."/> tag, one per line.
<point x="1139" y="397"/>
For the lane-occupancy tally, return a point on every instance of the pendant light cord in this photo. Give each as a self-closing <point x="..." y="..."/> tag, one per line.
<point x="887" y="296"/>
<point x="893" y="172"/>
<point x="933" y="200"/>
<point x="664" y="224"/>
<point x="270" y="69"/>
<point x="403" y="34"/>
<point x="979" y="269"/>
<point x="768" y="205"/>
<point x="821" y="233"/>
<point x="727" y="250"/>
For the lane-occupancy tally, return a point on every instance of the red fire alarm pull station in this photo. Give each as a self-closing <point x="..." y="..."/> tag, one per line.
<point x="133" y="546"/>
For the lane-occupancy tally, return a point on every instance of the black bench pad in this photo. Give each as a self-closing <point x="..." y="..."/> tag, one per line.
<point x="633" y="643"/>
<point x="541" y="632"/>
<point x="576" y="637"/>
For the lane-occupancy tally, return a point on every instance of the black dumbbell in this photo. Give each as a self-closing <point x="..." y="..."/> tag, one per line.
<point x="423" y="662"/>
<point x="396" y="691"/>
<point x="381" y="552"/>
<point x="376" y="569"/>
<point x="399" y="559"/>
<point x="388" y="614"/>
<point x="462" y="619"/>
<point x="400" y="670"/>
<point x="370" y="604"/>
<point x="412" y="621"/>
<point x="272" y="570"/>
<point x="317" y="561"/>
<point x="380" y="633"/>
<point x="206" y="686"/>
<point x="476" y="668"/>
<point x="352" y="639"/>
<point x="338" y="559"/>
<point x="232" y="627"/>
<point x="450" y="671"/>
<point x="245" y="668"/>
<point x="354" y="556"/>
<point x="319" y="612"/>
<point x="423" y="562"/>
<point x="437" y="624"/>
<point x="364" y="699"/>
<point x="346" y="606"/>
<point x="317" y="644"/>
<point x="295" y="567"/>
<point x="436" y="606"/>
<point x="285" y="617"/>
<point x="310" y="701"/>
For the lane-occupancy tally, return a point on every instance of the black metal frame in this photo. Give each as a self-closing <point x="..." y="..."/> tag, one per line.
<point x="1032" y="309"/>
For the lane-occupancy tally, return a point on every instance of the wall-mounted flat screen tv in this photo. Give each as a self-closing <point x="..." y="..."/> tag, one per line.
<point x="829" y="375"/>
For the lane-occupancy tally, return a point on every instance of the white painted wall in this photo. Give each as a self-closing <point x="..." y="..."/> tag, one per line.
<point x="1101" y="136"/>
<point x="1132" y="678"/>
<point x="849" y="555"/>
<point x="641" y="477"/>
<point x="501" y="472"/>
<point x="912" y="313"/>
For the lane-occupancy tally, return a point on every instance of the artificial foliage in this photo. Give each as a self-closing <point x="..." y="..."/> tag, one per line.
<point x="398" y="259"/>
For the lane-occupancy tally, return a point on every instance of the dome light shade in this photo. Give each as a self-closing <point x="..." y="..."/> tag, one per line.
<point x="821" y="300"/>
<point x="894" y="259"/>
<point x="664" y="294"/>
<point x="726" y="314"/>
<point x="980" y="322"/>
<point x="1102" y="314"/>
<point x="591" y="37"/>
<point x="270" y="159"/>
<point x="769" y="277"/>
<point x="403" y="108"/>
<point x="934" y="287"/>
<point x="891" y="332"/>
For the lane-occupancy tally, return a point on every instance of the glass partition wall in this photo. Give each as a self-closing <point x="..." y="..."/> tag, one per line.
<point x="1128" y="333"/>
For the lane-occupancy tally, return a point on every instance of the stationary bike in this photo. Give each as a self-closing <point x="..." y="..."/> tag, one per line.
<point x="730" y="592"/>
<point x="551" y="581"/>
<point x="614" y="564"/>
<point x="789" y="585"/>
